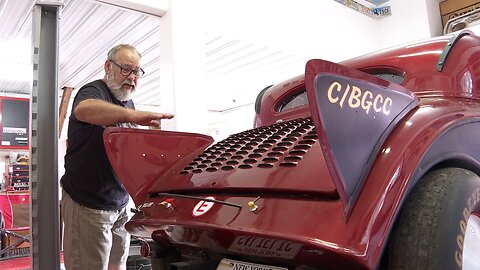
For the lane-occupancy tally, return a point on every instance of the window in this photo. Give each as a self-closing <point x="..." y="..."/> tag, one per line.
<point x="297" y="100"/>
<point x="391" y="77"/>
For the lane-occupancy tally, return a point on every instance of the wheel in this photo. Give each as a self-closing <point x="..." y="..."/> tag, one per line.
<point x="137" y="262"/>
<point x="439" y="225"/>
<point x="162" y="257"/>
<point x="2" y="220"/>
<point x="2" y="233"/>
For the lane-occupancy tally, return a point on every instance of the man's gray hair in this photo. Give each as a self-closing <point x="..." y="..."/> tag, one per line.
<point x="113" y="51"/>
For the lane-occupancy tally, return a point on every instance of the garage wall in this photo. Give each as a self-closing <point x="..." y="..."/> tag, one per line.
<point x="411" y="20"/>
<point x="304" y="28"/>
<point x="311" y="29"/>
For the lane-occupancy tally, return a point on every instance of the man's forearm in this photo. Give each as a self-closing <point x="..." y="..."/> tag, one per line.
<point x="99" y="112"/>
<point x="102" y="113"/>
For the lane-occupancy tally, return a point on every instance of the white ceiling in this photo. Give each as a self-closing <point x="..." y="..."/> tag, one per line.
<point x="88" y="29"/>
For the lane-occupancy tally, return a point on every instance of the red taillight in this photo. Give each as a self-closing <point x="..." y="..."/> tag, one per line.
<point x="145" y="249"/>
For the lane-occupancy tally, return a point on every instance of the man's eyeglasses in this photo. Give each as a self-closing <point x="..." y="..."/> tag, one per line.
<point x="138" y="72"/>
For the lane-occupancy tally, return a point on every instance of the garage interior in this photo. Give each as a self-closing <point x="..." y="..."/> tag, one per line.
<point x="196" y="54"/>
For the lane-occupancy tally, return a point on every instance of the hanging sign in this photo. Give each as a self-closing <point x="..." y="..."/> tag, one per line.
<point x="371" y="12"/>
<point x="382" y="11"/>
<point x="15" y="123"/>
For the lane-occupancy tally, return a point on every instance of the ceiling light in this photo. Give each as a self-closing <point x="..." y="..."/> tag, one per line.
<point x="16" y="72"/>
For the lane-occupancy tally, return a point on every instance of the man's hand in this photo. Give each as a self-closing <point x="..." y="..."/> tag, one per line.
<point x="144" y="118"/>
<point x="99" y="112"/>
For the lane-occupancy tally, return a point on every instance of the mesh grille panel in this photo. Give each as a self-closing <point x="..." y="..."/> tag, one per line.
<point x="282" y="144"/>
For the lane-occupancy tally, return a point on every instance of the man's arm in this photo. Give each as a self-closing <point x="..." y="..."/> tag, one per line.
<point x="102" y="113"/>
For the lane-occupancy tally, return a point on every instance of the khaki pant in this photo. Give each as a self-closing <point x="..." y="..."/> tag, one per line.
<point x="93" y="238"/>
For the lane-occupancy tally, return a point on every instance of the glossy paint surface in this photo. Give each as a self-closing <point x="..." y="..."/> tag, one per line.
<point x="266" y="202"/>
<point x="10" y="199"/>
<point x="283" y="158"/>
<point x="142" y="157"/>
<point x="417" y="62"/>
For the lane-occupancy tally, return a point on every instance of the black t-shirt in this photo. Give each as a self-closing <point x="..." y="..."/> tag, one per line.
<point x="89" y="178"/>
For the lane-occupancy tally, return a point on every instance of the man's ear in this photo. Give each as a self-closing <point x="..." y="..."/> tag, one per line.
<point x="107" y="66"/>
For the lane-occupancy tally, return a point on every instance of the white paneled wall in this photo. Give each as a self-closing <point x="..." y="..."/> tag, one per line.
<point x="302" y="29"/>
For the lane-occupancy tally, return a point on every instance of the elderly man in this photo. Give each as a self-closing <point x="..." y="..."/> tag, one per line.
<point x="93" y="200"/>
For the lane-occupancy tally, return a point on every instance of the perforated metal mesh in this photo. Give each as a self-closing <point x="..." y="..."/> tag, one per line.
<point x="283" y="144"/>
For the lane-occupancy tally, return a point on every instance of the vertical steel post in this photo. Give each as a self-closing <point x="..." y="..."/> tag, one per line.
<point x="44" y="191"/>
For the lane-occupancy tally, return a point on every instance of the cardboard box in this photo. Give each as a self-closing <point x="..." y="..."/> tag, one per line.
<point x="450" y="9"/>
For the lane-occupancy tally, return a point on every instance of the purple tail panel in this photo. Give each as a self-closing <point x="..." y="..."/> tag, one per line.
<point x="353" y="114"/>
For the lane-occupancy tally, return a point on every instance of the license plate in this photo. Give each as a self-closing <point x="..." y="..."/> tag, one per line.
<point x="265" y="247"/>
<point x="227" y="264"/>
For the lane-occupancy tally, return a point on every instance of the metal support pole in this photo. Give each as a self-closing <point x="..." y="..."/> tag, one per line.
<point x="44" y="192"/>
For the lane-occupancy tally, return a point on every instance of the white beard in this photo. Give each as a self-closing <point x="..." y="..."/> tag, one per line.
<point x="116" y="89"/>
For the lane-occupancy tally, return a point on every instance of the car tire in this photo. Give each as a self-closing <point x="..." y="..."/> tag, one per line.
<point x="2" y="232"/>
<point x="439" y="224"/>
<point x="137" y="262"/>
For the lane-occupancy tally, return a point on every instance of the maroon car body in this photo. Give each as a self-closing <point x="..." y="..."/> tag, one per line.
<point x="321" y="181"/>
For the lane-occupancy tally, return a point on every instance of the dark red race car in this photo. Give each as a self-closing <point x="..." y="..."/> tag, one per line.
<point x="371" y="163"/>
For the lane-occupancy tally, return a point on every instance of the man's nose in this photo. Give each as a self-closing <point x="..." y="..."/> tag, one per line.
<point x="131" y="76"/>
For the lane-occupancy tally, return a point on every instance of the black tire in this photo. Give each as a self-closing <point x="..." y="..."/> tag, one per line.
<point x="430" y="231"/>
<point x="138" y="262"/>
<point x="2" y="233"/>
<point x="2" y="220"/>
<point x="162" y="257"/>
